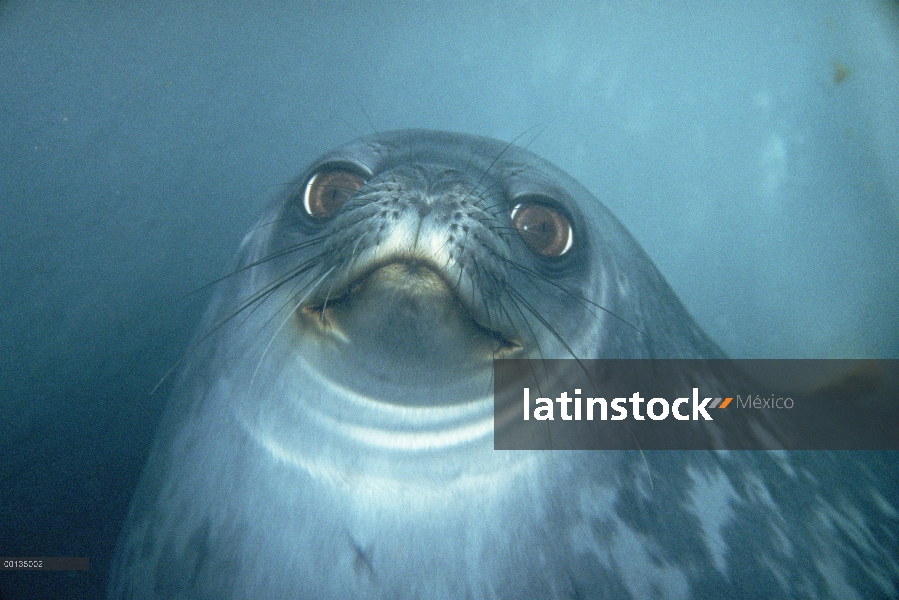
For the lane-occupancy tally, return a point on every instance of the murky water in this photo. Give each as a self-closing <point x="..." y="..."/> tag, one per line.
<point x="753" y="151"/>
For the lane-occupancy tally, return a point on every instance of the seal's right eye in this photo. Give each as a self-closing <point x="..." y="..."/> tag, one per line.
<point x="326" y="191"/>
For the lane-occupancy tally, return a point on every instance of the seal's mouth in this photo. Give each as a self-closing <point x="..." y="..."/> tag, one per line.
<point x="400" y="303"/>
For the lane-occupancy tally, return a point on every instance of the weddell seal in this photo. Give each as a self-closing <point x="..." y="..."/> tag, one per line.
<point x="331" y="434"/>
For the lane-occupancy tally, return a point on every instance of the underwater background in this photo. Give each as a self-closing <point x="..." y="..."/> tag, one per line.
<point x="751" y="147"/>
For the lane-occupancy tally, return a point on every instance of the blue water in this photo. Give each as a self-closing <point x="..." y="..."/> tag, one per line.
<point x="752" y="148"/>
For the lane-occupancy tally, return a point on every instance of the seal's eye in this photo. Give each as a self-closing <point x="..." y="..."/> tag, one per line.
<point x="545" y="229"/>
<point x="327" y="190"/>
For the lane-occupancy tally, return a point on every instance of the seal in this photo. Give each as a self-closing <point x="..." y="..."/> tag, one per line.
<point x="330" y="435"/>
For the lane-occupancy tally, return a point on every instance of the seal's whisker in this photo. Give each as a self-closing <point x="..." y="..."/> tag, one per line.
<point x="354" y="255"/>
<point x="514" y="298"/>
<point x="504" y="230"/>
<point x="257" y="297"/>
<point x="325" y="303"/>
<point x="501" y="152"/>
<point x="487" y="193"/>
<point x="552" y="330"/>
<point x="346" y="268"/>
<point x="284" y="322"/>
<point x="530" y="273"/>
<point x="519" y="298"/>
<point x="269" y="257"/>
<point x="298" y="288"/>
<point x="276" y="221"/>
<point x="254" y="300"/>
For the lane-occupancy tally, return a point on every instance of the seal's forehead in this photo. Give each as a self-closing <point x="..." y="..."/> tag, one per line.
<point x="389" y="149"/>
<point x="480" y="156"/>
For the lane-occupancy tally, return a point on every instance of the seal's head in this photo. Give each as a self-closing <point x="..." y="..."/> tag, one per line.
<point x="376" y="292"/>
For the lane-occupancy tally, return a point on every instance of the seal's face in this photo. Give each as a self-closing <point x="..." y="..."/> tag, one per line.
<point x="411" y="269"/>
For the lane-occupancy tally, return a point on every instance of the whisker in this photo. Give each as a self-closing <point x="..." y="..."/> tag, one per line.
<point x="284" y="322"/>
<point x="503" y="151"/>
<point x="254" y="301"/>
<point x="584" y="302"/>
<point x="280" y="254"/>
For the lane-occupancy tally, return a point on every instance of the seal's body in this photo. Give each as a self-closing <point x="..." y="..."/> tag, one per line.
<point x="331" y="437"/>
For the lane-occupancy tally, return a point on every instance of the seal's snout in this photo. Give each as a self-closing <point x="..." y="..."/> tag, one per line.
<point x="413" y="278"/>
<point x="407" y="306"/>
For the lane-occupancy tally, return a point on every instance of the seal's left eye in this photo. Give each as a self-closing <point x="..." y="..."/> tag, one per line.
<point x="326" y="191"/>
<point x="545" y="229"/>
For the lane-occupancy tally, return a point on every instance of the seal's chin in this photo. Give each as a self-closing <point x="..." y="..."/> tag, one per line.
<point x="403" y="323"/>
